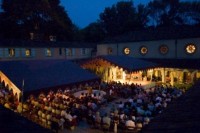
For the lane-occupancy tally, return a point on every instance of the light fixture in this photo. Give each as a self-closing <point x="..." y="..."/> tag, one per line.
<point x="143" y="50"/>
<point x="127" y="51"/>
<point x="190" y="48"/>
<point x="163" y="49"/>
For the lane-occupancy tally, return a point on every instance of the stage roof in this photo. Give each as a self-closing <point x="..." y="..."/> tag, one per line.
<point x="177" y="63"/>
<point x="42" y="74"/>
<point x="129" y="63"/>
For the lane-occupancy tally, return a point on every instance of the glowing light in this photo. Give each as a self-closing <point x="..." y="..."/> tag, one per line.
<point x="127" y="51"/>
<point x="143" y="50"/>
<point x="190" y="48"/>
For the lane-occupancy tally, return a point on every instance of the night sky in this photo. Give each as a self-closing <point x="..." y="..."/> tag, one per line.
<point x="84" y="12"/>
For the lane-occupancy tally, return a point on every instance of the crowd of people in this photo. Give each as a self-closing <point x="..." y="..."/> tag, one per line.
<point x="60" y="109"/>
<point x="139" y="107"/>
<point x="8" y="98"/>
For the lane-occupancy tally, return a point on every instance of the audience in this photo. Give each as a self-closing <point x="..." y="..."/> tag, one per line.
<point x="61" y="109"/>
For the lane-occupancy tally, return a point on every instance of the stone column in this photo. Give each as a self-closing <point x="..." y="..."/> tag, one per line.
<point x="192" y="76"/>
<point x="163" y="75"/>
<point x="150" y="73"/>
<point x="114" y="73"/>
<point x="156" y="73"/>
<point x="110" y="73"/>
<point x="123" y="76"/>
<point x="181" y="77"/>
<point x="172" y="78"/>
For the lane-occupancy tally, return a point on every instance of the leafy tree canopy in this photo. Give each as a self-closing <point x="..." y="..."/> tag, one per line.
<point x="48" y="17"/>
<point x="122" y="17"/>
<point x="45" y="17"/>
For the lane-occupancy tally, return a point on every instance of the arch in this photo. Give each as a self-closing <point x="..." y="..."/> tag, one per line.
<point x="11" y="89"/>
<point x="3" y="84"/>
<point x="7" y="83"/>
<point x="7" y="86"/>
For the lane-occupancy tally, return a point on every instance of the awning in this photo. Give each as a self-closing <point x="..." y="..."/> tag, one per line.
<point x="42" y="74"/>
<point x="129" y="63"/>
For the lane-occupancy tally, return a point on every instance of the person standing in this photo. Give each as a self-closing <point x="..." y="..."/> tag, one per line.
<point x="116" y="120"/>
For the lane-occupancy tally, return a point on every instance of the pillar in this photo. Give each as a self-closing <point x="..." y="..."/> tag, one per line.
<point x="172" y="78"/>
<point x="193" y="76"/>
<point x="151" y="74"/>
<point x="156" y="73"/>
<point x="163" y="75"/>
<point x="123" y="76"/>
<point x="181" y="77"/>
<point x="114" y="73"/>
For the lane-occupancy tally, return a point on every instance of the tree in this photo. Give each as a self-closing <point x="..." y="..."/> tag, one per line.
<point x="93" y="33"/>
<point x="122" y="18"/>
<point x="142" y="15"/>
<point x="108" y="20"/>
<point x="164" y="12"/>
<point x="173" y="12"/>
<point x="190" y="12"/>
<point x="42" y="16"/>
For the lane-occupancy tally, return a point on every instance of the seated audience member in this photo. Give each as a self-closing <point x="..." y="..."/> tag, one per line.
<point x="106" y="121"/>
<point x="130" y="124"/>
<point x="97" y="120"/>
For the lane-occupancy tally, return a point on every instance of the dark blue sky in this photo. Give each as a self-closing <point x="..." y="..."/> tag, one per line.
<point x="83" y="12"/>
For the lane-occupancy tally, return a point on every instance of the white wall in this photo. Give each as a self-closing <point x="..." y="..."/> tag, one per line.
<point x="40" y="53"/>
<point x="176" y="48"/>
<point x="181" y="45"/>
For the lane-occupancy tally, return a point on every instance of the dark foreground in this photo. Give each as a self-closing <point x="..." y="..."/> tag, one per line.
<point x="181" y="116"/>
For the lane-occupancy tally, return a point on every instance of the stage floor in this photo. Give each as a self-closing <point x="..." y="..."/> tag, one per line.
<point x="144" y="84"/>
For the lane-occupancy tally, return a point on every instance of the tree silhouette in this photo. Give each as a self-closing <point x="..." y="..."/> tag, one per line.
<point x="45" y="17"/>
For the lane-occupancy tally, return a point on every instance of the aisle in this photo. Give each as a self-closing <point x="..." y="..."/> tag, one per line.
<point x="83" y="127"/>
<point x="108" y="107"/>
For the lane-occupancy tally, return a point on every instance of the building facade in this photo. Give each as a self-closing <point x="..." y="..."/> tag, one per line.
<point x="45" y="50"/>
<point x="186" y="48"/>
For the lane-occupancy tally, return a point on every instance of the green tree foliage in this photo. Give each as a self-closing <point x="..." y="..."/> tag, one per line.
<point x="190" y="12"/>
<point x="142" y="15"/>
<point x="167" y="13"/>
<point x="119" y="18"/>
<point x="46" y="17"/>
<point x="93" y="33"/>
<point x="122" y="18"/>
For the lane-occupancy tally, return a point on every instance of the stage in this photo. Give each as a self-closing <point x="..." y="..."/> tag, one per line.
<point x="144" y="84"/>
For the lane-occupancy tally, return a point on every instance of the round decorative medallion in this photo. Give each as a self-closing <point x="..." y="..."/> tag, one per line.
<point x="143" y="50"/>
<point x="190" y="48"/>
<point x="163" y="49"/>
<point x="127" y="51"/>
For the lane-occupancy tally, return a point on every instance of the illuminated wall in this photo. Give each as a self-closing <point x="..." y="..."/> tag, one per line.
<point x="188" y="48"/>
<point x="10" y="84"/>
